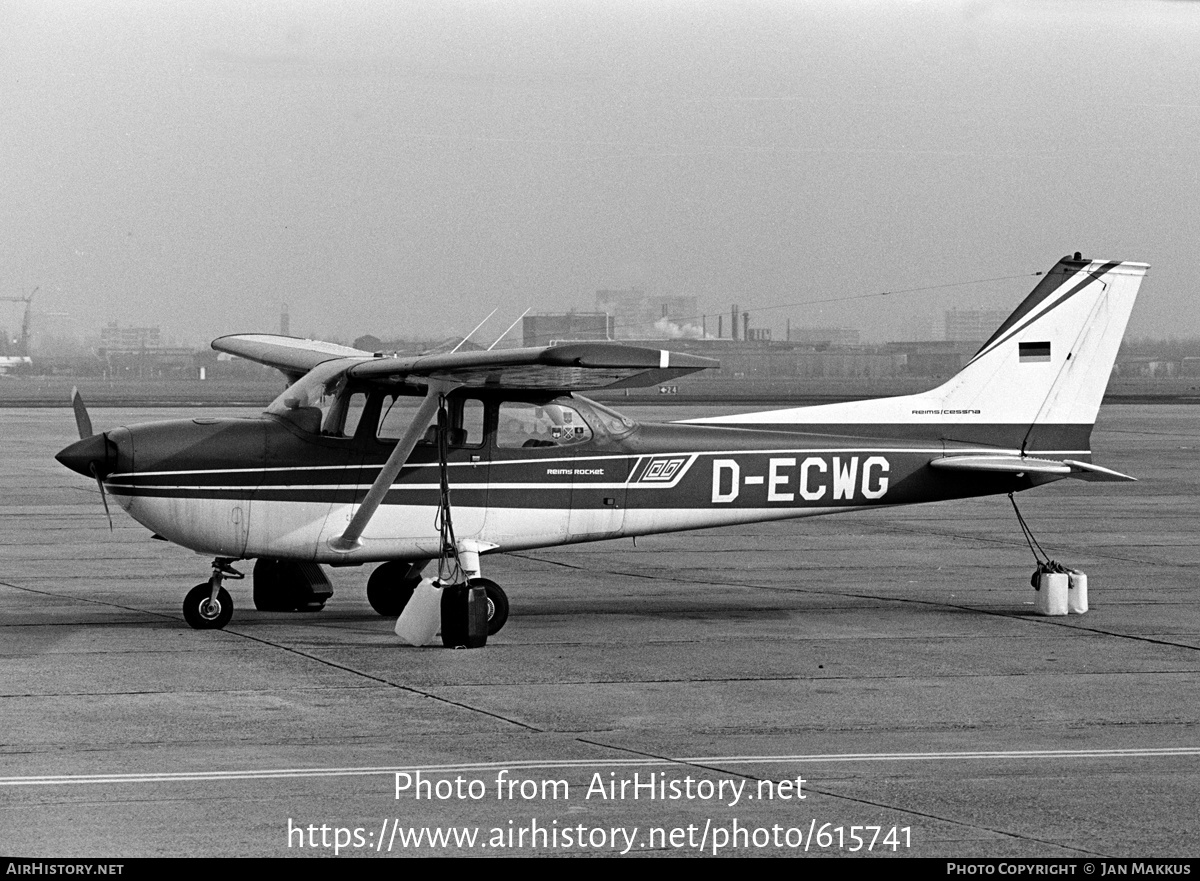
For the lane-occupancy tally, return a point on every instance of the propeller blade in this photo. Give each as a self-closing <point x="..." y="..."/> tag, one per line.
<point x="103" y="494"/>
<point x="82" y="421"/>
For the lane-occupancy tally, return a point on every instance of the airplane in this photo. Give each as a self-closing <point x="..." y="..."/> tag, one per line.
<point x="368" y="458"/>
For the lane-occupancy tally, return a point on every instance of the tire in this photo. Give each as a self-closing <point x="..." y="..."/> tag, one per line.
<point x="202" y="614"/>
<point x="270" y="592"/>
<point x="497" y="603"/>
<point x="390" y="587"/>
<point x="284" y="586"/>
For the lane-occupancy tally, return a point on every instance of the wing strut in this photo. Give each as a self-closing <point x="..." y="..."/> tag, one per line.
<point x="350" y="539"/>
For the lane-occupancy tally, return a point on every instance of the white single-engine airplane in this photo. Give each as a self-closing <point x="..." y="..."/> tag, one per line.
<point x="358" y="460"/>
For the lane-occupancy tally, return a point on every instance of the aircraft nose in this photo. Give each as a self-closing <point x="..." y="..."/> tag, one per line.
<point x="99" y="450"/>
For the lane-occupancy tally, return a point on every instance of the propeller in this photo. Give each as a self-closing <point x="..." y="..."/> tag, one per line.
<point x="103" y="496"/>
<point x="82" y="420"/>
<point x="90" y="454"/>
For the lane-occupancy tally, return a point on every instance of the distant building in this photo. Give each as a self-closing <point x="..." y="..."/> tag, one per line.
<point x="542" y="330"/>
<point x="973" y="325"/>
<point x="1148" y="366"/>
<point x="637" y="315"/>
<point x="934" y="357"/>
<point x="823" y="337"/>
<point x="746" y="363"/>
<point x="368" y="343"/>
<point x="129" y="339"/>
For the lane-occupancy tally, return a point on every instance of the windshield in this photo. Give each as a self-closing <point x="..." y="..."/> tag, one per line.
<point x="616" y="424"/>
<point x="307" y="403"/>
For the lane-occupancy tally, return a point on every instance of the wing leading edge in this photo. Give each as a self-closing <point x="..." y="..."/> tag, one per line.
<point x="291" y="355"/>
<point x="575" y="366"/>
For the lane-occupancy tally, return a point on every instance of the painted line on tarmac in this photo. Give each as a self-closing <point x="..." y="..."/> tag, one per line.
<point x="818" y="759"/>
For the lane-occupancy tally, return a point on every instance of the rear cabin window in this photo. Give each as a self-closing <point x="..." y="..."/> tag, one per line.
<point x="465" y="420"/>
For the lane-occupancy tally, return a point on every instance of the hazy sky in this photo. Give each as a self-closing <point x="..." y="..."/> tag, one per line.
<point x="403" y="168"/>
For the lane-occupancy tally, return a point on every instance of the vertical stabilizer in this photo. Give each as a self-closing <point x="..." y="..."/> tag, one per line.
<point x="1050" y="361"/>
<point x="1042" y="374"/>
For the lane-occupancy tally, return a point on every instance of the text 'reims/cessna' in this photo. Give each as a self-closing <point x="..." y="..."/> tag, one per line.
<point x="355" y="462"/>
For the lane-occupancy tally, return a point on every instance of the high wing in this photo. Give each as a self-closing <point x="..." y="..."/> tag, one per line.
<point x="293" y="356"/>
<point x="567" y="368"/>
<point x="571" y="367"/>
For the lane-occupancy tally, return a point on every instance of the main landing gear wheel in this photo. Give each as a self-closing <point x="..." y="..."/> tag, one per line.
<point x="270" y="593"/>
<point x="391" y="586"/>
<point x="202" y="612"/>
<point x="497" y="602"/>
<point x="288" y="586"/>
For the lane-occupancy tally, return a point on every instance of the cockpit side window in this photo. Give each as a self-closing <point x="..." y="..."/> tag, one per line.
<point x="471" y="422"/>
<point x="395" y="415"/>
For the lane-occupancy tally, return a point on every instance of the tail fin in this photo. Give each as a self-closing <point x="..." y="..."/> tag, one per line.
<point x="1036" y="383"/>
<point x="1049" y="362"/>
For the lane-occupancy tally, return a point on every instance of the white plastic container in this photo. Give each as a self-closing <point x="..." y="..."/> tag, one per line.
<point x="1052" y="593"/>
<point x="421" y="619"/>
<point x="1077" y="593"/>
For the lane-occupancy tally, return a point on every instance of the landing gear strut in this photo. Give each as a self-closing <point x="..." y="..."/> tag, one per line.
<point x="391" y="585"/>
<point x="208" y="606"/>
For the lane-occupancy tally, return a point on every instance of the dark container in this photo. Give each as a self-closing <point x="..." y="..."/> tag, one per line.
<point x="464" y="616"/>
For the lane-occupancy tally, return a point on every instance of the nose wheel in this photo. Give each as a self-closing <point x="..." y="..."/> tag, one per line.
<point x="203" y="612"/>
<point x="208" y="605"/>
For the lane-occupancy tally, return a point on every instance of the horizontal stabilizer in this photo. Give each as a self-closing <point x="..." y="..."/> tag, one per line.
<point x="1088" y="471"/>
<point x="1026" y="465"/>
